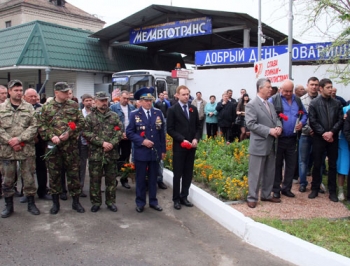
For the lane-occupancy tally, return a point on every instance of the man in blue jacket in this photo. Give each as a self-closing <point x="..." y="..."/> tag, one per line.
<point x="123" y="110"/>
<point x="146" y="131"/>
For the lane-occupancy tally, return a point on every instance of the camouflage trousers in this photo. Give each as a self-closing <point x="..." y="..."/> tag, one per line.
<point x="70" y="162"/>
<point x="26" y="171"/>
<point x="96" y="171"/>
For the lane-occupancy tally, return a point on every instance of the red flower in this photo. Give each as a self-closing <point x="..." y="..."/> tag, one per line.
<point x="143" y="134"/>
<point x="256" y="68"/>
<point x="22" y="144"/>
<point x="116" y="128"/>
<point x="72" y="126"/>
<point x="186" y="145"/>
<point x="301" y="112"/>
<point x="283" y="116"/>
<point x="191" y="110"/>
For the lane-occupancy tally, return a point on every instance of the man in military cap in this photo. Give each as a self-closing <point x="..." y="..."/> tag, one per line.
<point x="103" y="130"/>
<point x="146" y="131"/>
<point x="18" y="127"/>
<point x="60" y="124"/>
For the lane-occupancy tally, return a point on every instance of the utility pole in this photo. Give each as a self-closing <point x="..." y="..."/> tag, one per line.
<point x="259" y="33"/>
<point x="290" y="37"/>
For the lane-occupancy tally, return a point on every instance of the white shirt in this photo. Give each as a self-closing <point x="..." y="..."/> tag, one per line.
<point x="125" y="110"/>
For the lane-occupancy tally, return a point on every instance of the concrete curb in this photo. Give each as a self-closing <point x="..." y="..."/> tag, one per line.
<point x="278" y="243"/>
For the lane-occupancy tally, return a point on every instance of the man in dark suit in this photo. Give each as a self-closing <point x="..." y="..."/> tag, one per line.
<point x="261" y="120"/>
<point x="183" y="126"/>
<point x="146" y="131"/>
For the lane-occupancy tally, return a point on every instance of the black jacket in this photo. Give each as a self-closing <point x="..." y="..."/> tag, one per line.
<point x="226" y="114"/>
<point x="325" y="114"/>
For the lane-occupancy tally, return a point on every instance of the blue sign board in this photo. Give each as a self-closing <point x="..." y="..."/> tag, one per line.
<point x="300" y="52"/>
<point x="171" y="30"/>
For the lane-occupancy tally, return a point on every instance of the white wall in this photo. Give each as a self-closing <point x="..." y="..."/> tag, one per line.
<point x="216" y="81"/>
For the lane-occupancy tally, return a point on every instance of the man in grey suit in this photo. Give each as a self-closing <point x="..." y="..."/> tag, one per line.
<point x="265" y="127"/>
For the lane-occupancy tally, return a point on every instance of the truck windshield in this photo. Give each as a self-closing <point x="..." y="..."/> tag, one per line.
<point x="132" y="83"/>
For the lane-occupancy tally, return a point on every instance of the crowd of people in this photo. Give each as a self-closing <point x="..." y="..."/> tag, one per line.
<point x="292" y="130"/>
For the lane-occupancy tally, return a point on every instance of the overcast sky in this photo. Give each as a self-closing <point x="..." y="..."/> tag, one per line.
<point x="274" y="12"/>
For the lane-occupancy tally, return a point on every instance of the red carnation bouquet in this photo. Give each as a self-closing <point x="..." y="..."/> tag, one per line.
<point x="300" y="114"/>
<point x="52" y="147"/>
<point x="283" y="116"/>
<point x="186" y="145"/>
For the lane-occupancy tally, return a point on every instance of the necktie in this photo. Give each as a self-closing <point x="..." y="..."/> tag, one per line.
<point x="185" y="111"/>
<point x="267" y="107"/>
<point x="148" y="116"/>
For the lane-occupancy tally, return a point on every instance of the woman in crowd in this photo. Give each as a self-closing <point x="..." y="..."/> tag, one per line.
<point x="211" y="119"/>
<point x="240" y="120"/>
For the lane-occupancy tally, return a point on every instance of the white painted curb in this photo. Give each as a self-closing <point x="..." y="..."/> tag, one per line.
<point x="278" y="243"/>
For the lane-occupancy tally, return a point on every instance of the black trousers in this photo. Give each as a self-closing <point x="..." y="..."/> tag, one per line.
<point x="124" y="148"/>
<point x="286" y="151"/>
<point x="318" y="149"/>
<point x="183" y="168"/>
<point x="212" y="129"/>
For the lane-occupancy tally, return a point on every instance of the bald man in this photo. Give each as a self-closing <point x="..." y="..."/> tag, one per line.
<point x="290" y="105"/>
<point x="31" y="96"/>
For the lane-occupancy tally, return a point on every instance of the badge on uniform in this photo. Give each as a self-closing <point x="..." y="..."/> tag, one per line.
<point x="158" y="123"/>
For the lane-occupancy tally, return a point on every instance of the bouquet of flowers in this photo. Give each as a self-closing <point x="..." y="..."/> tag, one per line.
<point x="283" y="116"/>
<point x="52" y="147"/>
<point x="186" y="145"/>
<point x="128" y="170"/>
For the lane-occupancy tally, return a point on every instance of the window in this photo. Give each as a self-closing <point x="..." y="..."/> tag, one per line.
<point x="8" y="24"/>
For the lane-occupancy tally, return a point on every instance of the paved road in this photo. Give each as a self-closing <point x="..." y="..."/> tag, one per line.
<point x="171" y="237"/>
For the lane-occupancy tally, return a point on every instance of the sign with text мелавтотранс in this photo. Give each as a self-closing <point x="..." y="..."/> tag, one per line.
<point x="171" y="30"/>
<point x="300" y="52"/>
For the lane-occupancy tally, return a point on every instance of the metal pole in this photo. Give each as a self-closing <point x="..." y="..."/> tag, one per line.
<point x="290" y="37"/>
<point x="259" y="33"/>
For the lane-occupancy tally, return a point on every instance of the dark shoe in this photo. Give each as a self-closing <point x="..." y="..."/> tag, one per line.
<point x="112" y="208"/>
<point x="156" y="207"/>
<point x="125" y="184"/>
<point x="45" y="197"/>
<point x="302" y="188"/>
<point x="272" y="199"/>
<point x="63" y="196"/>
<point x="186" y="203"/>
<point x="251" y="204"/>
<point x="32" y="207"/>
<point x="177" y="205"/>
<point x="23" y="199"/>
<point x="333" y="197"/>
<point x="8" y="209"/>
<point x="76" y="204"/>
<point x="56" y="204"/>
<point x="161" y="185"/>
<point x="83" y="195"/>
<point x="288" y="193"/>
<point x="276" y="195"/>
<point x="313" y="194"/>
<point x="139" y="209"/>
<point x="95" y="208"/>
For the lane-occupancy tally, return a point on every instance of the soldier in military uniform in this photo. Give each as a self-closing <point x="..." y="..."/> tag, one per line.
<point x="62" y="148"/>
<point x="103" y="131"/>
<point x="18" y="127"/>
<point x="146" y="131"/>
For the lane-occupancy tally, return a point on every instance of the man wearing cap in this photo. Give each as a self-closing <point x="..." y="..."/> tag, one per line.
<point x="83" y="145"/>
<point x="123" y="110"/>
<point x="103" y="130"/>
<point x="146" y="131"/>
<point x="183" y="126"/>
<point x="3" y="96"/>
<point x="18" y="127"/>
<point x="60" y="124"/>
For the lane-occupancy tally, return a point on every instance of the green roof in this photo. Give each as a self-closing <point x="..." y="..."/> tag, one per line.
<point x="45" y="44"/>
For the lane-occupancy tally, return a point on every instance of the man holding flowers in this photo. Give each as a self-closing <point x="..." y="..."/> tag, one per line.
<point x="103" y="130"/>
<point x="60" y="124"/>
<point x="18" y="127"/>
<point x="146" y="131"/>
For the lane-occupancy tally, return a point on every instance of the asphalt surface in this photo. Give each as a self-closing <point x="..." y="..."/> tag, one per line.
<point x="171" y="237"/>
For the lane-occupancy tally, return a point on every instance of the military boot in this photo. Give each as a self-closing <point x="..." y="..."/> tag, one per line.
<point x="8" y="209"/>
<point x="76" y="204"/>
<point x="56" y="204"/>
<point x="32" y="207"/>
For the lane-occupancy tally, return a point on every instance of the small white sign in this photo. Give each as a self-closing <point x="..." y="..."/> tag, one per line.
<point x="274" y="68"/>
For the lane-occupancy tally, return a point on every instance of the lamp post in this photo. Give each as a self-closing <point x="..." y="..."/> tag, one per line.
<point x="290" y="37"/>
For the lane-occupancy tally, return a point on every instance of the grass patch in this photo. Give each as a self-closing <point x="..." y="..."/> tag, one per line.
<point x="333" y="235"/>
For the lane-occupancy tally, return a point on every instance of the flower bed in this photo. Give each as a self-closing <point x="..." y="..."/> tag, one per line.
<point x="223" y="168"/>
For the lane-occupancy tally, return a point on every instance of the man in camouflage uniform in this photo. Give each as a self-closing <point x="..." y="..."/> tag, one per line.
<point x="103" y="130"/>
<point x="18" y="127"/>
<point x="3" y="97"/>
<point x="62" y="144"/>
